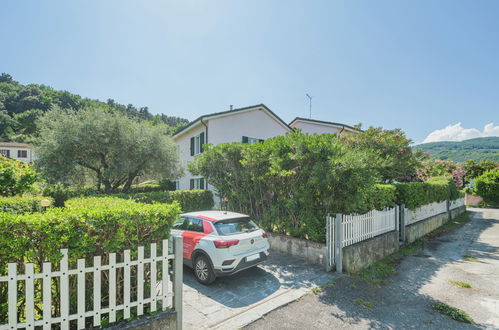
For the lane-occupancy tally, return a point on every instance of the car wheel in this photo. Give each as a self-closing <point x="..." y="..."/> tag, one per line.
<point x="203" y="270"/>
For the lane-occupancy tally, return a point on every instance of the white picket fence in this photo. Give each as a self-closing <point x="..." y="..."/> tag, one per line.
<point x="424" y="212"/>
<point x="162" y="290"/>
<point x="359" y="227"/>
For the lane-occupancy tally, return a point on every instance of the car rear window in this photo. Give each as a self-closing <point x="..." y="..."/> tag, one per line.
<point x="235" y="226"/>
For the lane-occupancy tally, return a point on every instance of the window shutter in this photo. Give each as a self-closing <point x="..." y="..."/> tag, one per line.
<point x="201" y="183"/>
<point x="192" y="184"/>
<point x="245" y="139"/>
<point x="192" y="146"/>
<point x="201" y="141"/>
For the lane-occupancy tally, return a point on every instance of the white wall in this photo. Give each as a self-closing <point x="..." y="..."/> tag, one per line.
<point x="13" y="154"/>
<point x="184" y="145"/>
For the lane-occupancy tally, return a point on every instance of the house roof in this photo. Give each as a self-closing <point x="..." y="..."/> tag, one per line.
<point x="228" y="113"/>
<point x="329" y="123"/>
<point x="15" y="145"/>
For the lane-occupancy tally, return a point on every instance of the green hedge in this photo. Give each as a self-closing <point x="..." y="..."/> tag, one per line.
<point x="189" y="200"/>
<point x="21" y="204"/>
<point x="87" y="227"/>
<point x="416" y="194"/>
<point x="487" y="187"/>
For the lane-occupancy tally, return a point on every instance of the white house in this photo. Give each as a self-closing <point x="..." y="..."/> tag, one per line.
<point x="314" y="126"/>
<point x="18" y="151"/>
<point x="247" y="125"/>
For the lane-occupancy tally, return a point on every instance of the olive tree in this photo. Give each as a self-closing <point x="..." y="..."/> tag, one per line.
<point x="112" y="147"/>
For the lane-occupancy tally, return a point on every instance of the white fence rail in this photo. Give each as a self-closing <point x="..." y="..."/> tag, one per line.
<point x="424" y="212"/>
<point x="360" y="227"/>
<point x="457" y="203"/>
<point x="75" y="312"/>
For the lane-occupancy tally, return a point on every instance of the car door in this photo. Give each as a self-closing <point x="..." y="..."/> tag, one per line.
<point x="193" y="232"/>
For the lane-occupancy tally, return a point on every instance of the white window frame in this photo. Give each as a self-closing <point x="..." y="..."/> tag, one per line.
<point x="197" y="144"/>
<point x="197" y="183"/>
<point x="253" y="140"/>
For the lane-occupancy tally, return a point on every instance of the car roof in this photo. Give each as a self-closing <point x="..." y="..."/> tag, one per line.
<point x="214" y="215"/>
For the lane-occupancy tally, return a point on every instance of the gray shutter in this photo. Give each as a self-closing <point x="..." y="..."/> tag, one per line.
<point x="245" y="139"/>
<point x="192" y="184"/>
<point x="192" y="146"/>
<point x="201" y="141"/>
<point x="201" y="183"/>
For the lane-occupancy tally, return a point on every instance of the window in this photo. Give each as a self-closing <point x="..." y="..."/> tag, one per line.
<point x="190" y="224"/>
<point x="197" y="183"/>
<point x="176" y="185"/>
<point x="22" y="153"/>
<point x="197" y="144"/>
<point x="235" y="226"/>
<point x="5" y="152"/>
<point x="247" y="139"/>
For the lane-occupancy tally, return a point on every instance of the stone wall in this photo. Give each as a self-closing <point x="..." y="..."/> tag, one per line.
<point x="310" y="251"/>
<point x="162" y="321"/>
<point x="423" y="227"/>
<point x="363" y="254"/>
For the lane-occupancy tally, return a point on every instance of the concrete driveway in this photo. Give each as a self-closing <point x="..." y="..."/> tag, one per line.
<point x="468" y="254"/>
<point x="235" y="301"/>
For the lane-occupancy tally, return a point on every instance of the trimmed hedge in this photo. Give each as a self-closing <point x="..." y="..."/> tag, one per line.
<point x="189" y="200"/>
<point x="87" y="227"/>
<point x="416" y="194"/>
<point x="21" y="204"/>
<point x="487" y="187"/>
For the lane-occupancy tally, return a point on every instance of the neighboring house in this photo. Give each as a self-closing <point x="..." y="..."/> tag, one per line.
<point x="18" y="151"/>
<point x="312" y="126"/>
<point x="247" y="125"/>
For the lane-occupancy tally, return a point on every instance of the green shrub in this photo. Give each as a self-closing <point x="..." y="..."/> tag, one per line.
<point x="487" y="187"/>
<point x="87" y="227"/>
<point x="21" y="205"/>
<point x="416" y="194"/>
<point x="189" y="200"/>
<point x="59" y="192"/>
<point x="16" y="178"/>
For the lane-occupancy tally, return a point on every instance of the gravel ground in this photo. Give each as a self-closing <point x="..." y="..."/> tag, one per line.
<point x="422" y="279"/>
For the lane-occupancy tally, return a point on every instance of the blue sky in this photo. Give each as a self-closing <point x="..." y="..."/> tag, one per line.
<point x="417" y="65"/>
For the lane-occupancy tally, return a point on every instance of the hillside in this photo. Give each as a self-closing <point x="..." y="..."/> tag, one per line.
<point x="21" y="105"/>
<point x="475" y="149"/>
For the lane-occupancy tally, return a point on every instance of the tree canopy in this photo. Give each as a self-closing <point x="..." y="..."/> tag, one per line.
<point x="21" y="105"/>
<point x="106" y="147"/>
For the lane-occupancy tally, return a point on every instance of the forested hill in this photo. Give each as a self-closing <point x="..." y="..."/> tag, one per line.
<point x="486" y="148"/>
<point x="21" y="105"/>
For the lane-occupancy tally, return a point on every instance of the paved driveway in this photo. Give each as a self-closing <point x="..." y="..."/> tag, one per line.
<point x="234" y="301"/>
<point x="469" y="254"/>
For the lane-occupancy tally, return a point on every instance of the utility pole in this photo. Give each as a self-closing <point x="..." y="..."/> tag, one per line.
<point x="310" y="105"/>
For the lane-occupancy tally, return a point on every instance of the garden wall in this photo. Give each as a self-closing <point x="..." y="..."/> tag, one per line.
<point x="300" y="248"/>
<point x="162" y="321"/>
<point x="421" y="228"/>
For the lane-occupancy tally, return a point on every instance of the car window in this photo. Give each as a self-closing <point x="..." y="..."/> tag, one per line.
<point x="195" y="225"/>
<point x="181" y="223"/>
<point x="235" y="226"/>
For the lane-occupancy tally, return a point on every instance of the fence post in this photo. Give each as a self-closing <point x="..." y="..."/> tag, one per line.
<point x="328" y="243"/>
<point x="338" y="240"/>
<point x="177" y="279"/>
<point x="402" y="222"/>
<point x="449" y="215"/>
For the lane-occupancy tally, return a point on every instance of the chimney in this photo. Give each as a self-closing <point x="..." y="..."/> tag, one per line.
<point x="231" y="107"/>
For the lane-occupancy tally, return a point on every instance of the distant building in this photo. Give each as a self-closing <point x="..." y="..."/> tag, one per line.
<point x="247" y="125"/>
<point x="19" y="151"/>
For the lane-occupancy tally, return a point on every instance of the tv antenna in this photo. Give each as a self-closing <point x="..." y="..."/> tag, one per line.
<point x="310" y="106"/>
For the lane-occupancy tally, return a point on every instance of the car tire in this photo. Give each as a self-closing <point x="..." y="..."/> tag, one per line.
<point x="203" y="271"/>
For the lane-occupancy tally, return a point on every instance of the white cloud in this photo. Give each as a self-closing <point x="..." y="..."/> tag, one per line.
<point x="458" y="133"/>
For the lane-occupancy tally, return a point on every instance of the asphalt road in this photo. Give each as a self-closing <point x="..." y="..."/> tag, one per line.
<point x="403" y="302"/>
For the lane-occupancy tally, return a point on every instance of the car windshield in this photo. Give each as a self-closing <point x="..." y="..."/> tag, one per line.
<point x="235" y="226"/>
